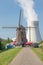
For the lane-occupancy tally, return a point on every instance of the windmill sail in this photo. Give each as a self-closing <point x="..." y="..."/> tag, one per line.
<point x="20" y="18"/>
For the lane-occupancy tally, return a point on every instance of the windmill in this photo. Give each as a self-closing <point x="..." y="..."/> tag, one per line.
<point x="20" y="31"/>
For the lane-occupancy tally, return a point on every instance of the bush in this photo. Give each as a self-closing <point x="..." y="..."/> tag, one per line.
<point x="1" y="45"/>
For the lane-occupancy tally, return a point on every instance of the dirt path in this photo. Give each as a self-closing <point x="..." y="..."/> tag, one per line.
<point x="26" y="57"/>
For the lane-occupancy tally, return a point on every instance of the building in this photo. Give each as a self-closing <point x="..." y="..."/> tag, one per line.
<point x="21" y="35"/>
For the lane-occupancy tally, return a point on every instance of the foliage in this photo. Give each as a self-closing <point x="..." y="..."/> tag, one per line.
<point x="8" y="40"/>
<point x="0" y="45"/>
<point x="41" y="45"/>
<point x="3" y="42"/>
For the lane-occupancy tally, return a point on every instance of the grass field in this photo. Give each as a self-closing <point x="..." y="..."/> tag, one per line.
<point x="7" y="56"/>
<point x="39" y="52"/>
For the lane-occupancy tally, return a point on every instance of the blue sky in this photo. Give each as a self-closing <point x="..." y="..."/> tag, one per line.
<point x="9" y="16"/>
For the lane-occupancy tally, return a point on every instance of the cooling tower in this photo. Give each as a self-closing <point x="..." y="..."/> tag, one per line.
<point x="34" y="33"/>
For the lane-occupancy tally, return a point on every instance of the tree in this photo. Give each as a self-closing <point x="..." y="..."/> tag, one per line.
<point x="9" y="40"/>
<point x="0" y="45"/>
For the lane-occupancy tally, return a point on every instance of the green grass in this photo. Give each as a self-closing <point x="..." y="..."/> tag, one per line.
<point x="39" y="52"/>
<point x="7" y="56"/>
